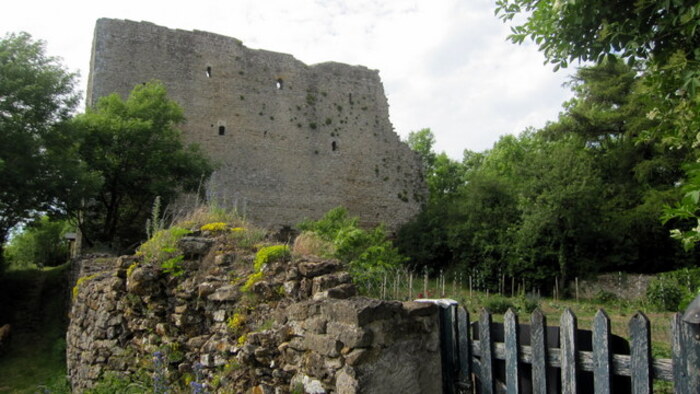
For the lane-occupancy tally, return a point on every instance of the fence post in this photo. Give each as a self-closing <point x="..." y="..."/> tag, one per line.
<point x="538" y="341"/>
<point x="686" y="349"/>
<point x="641" y="360"/>
<point x="601" y="353"/>
<point x="464" y="376"/>
<point x="511" y="340"/>
<point x="567" y="338"/>
<point x="447" y="315"/>
<point x="486" y="347"/>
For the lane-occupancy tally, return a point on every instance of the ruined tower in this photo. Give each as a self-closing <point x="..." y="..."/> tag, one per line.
<point x="291" y="141"/>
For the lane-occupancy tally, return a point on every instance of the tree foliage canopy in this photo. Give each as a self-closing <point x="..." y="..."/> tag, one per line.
<point x="581" y="195"/>
<point x="663" y="35"/>
<point x="136" y="149"/>
<point x="36" y="97"/>
<point x="568" y="30"/>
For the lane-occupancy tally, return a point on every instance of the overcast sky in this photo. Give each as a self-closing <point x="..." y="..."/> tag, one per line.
<point x="445" y="64"/>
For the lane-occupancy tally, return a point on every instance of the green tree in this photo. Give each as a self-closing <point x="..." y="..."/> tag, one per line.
<point x="425" y="238"/>
<point x="37" y="161"/>
<point x="590" y="30"/>
<point x="443" y="175"/>
<point x="422" y="142"/>
<point x="137" y="151"/>
<point x="41" y="243"/>
<point x="609" y="112"/>
<point x="560" y="205"/>
<point x="663" y="35"/>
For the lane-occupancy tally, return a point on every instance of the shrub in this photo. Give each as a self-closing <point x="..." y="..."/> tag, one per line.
<point x="368" y="253"/>
<point x="527" y="304"/>
<point x="604" y="297"/>
<point x="310" y="243"/>
<point x="163" y="245"/>
<point x="114" y="382"/>
<point x="330" y="224"/>
<point x="208" y="214"/>
<point x="173" y="266"/>
<point x="498" y="304"/>
<point x="664" y="293"/>
<point x="674" y="290"/>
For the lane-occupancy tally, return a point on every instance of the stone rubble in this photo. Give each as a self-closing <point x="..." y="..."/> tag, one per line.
<point x="300" y="327"/>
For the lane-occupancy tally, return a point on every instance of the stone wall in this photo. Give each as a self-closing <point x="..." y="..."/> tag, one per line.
<point x="299" y="326"/>
<point x="622" y="285"/>
<point x="292" y="141"/>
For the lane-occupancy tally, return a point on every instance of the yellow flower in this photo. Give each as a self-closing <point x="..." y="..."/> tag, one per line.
<point x="217" y="226"/>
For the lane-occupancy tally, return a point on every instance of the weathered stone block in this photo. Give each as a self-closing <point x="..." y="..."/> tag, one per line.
<point x="225" y="293"/>
<point x="323" y="344"/>
<point x="325" y="282"/>
<point x="314" y="269"/>
<point x="194" y="247"/>
<point x="350" y="335"/>
<point x="142" y="281"/>
<point x="415" y="308"/>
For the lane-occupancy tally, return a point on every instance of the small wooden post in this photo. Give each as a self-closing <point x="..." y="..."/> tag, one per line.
<point x="382" y="292"/>
<point x="410" y="285"/>
<point x="396" y="285"/>
<point x="442" y="280"/>
<point x="577" y="289"/>
<point x="425" y="284"/>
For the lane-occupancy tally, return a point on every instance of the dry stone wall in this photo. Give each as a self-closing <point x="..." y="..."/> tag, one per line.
<point x="292" y="140"/>
<point x="299" y="327"/>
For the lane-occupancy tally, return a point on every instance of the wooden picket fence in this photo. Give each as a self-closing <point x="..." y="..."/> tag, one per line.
<point x="471" y="364"/>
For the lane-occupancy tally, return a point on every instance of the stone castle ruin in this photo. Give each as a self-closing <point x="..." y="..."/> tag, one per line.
<point x="291" y="141"/>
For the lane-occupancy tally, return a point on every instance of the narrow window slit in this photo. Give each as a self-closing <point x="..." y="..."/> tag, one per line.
<point x="222" y="130"/>
<point x="280" y="84"/>
<point x="208" y="71"/>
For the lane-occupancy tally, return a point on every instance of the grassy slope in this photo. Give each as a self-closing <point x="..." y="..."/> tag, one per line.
<point x="34" y="301"/>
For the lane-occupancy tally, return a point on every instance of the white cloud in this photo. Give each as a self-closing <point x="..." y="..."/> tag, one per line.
<point x="445" y="64"/>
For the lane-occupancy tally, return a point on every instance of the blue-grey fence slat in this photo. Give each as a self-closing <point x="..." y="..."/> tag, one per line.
<point x="499" y="365"/>
<point x="486" y="348"/>
<point x="640" y="357"/>
<point x="601" y="353"/>
<point x="567" y="339"/>
<point x="538" y="341"/>
<point x="510" y="330"/>
<point x="464" y="374"/>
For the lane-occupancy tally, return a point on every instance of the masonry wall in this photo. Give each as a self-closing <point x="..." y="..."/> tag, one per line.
<point x="300" y="326"/>
<point x="292" y="141"/>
